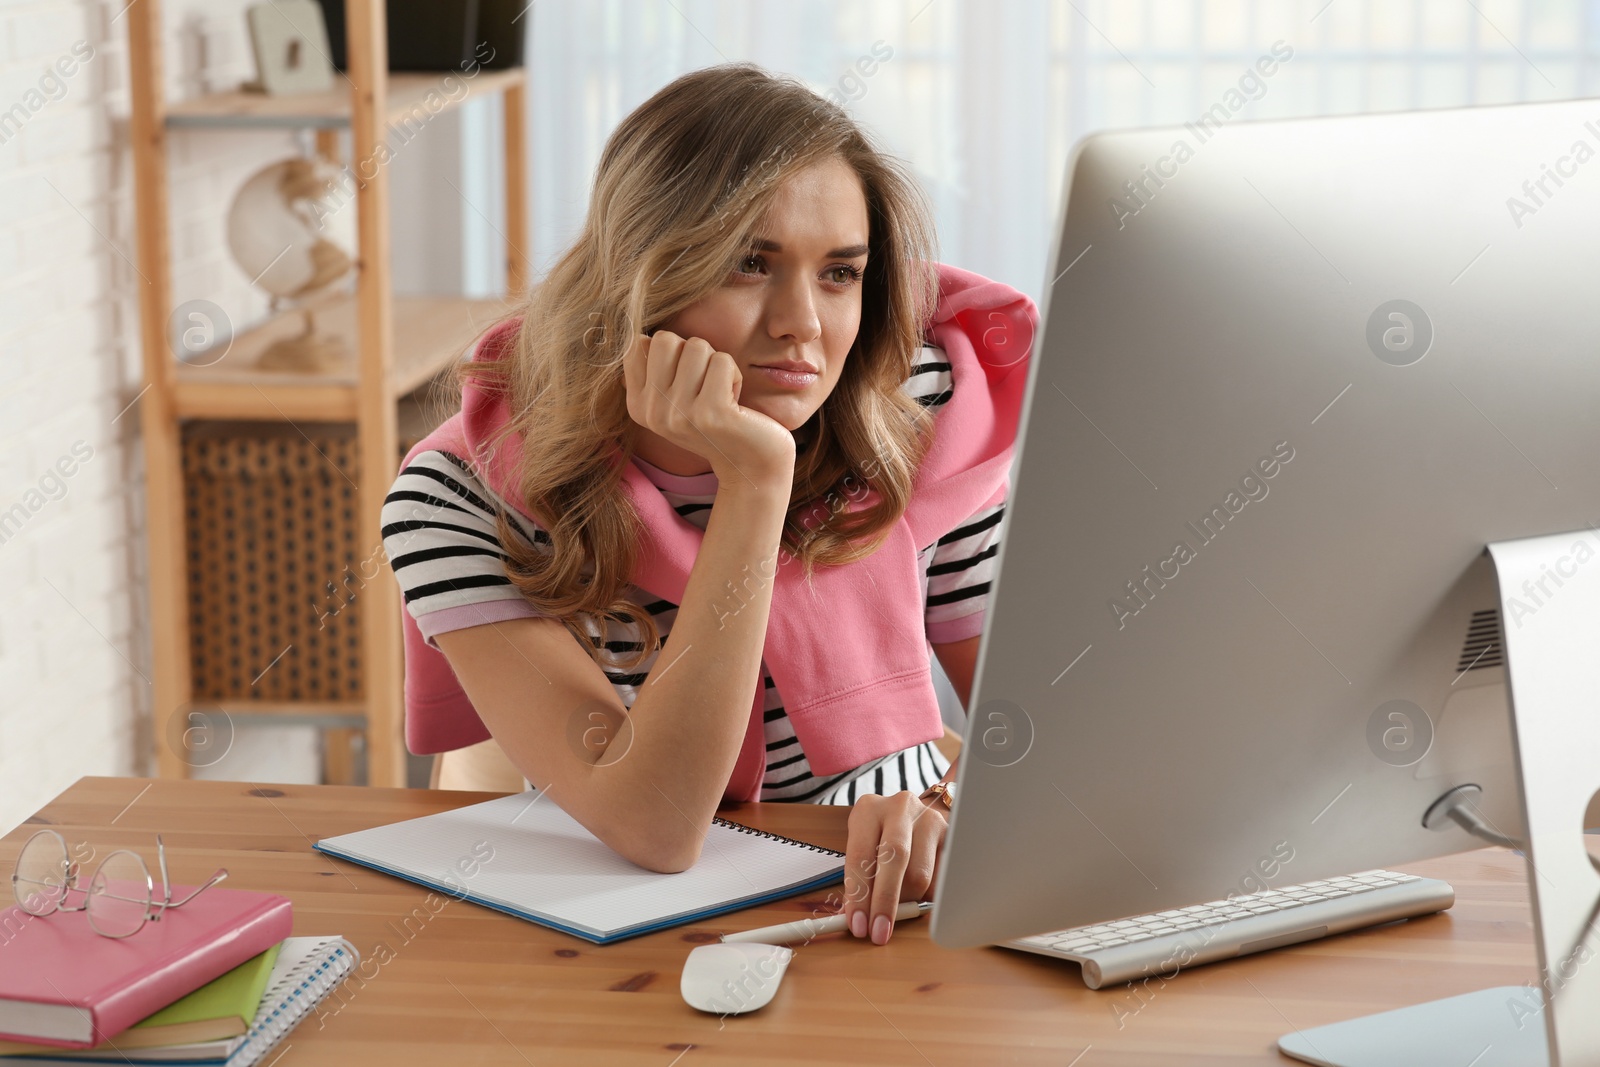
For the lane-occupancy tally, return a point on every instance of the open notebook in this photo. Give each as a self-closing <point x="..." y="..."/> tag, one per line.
<point x="525" y="856"/>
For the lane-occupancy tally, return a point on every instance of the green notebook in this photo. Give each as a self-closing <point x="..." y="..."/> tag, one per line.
<point x="224" y="1007"/>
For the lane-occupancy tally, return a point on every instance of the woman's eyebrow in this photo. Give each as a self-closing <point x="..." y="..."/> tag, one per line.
<point x="761" y="244"/>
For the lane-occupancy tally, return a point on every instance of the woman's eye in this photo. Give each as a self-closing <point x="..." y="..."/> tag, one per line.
<point x="841" y="274"/>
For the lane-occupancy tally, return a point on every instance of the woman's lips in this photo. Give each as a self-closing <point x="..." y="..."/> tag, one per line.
<point x="792" y="379"/>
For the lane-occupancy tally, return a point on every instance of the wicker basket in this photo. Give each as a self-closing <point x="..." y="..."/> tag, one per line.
<point x="274" y="569"/>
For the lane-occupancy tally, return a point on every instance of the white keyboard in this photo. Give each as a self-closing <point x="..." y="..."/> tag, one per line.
<point x="1167" y="941"/>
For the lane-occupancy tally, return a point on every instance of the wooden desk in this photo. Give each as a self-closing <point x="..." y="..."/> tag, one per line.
<point x="467" y="985"/>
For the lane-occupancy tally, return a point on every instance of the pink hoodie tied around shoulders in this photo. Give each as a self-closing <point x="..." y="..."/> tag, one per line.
<point x="849" y="655"/>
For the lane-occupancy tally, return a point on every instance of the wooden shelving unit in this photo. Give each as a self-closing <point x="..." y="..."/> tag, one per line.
<point x="399" y="345"/>
<point x="429" y="331"/>
<point x="407" y="93"/>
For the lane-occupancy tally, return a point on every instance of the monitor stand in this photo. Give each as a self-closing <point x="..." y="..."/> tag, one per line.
<point x="1550" y="612"/>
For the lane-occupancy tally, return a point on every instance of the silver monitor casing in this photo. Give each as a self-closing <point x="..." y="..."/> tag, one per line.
<point x="1239" y="729"/>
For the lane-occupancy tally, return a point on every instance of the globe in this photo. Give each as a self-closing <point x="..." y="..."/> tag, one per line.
<point x="291" y="229"/>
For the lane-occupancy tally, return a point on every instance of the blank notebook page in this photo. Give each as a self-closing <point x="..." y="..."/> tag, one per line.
<point x="523" y="854"/>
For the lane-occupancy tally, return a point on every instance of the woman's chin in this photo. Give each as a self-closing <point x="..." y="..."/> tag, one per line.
<point x="790" y="413"/>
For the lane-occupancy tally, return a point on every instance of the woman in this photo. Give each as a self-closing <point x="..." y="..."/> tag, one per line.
<point x="738" y="330"/>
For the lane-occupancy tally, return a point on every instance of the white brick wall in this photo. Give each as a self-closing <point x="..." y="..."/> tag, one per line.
<point x="73" y="696"/>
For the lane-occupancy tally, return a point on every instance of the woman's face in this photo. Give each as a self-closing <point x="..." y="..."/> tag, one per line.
<point x="795" y="297"/>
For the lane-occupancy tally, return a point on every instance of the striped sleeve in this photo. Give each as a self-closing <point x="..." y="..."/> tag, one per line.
<point x="960" y="566"/>
<point x="440" y="534"/>
<point x="930" y="379"/>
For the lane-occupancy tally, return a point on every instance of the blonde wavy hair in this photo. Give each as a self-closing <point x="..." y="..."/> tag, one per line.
<point x="682" y="187"/>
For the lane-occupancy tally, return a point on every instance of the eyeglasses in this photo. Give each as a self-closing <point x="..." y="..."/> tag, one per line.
<point x="120" y="897"/>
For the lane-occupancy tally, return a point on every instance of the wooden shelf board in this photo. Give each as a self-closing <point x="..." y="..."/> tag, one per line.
<point x="326" y="714"/>
<point x="430" y="332"/>
<point x="331" y="110"/>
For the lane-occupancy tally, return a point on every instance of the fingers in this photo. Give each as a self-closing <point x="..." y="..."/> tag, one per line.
<point x="665" y="374"/>
<point x="938" y="859"/>
<point x="927" y="839"/>
<point x="687" y="391"/>
<point x="633" y="375"/>
<point x="860" y="862"/>
<point x="694" y="356"/>
<point x="662" y="361"/>
<point x="892" y="855"/>
<point x="722" y="378"/>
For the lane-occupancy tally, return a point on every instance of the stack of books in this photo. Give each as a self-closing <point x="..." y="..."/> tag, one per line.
<point x="215" y="982"/>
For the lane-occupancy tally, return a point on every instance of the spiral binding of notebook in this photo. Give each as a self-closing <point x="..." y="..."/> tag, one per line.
<point x="769" y="835"/>
<point x="323" y="963"/>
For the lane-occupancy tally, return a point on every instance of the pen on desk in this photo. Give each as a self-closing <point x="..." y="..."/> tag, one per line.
<point x="806" y="929"/>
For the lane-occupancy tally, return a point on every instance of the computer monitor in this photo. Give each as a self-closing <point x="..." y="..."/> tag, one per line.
<point x="1292" y="378"/>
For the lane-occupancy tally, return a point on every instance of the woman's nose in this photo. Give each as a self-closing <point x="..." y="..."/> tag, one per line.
<point x="792" y="312"/>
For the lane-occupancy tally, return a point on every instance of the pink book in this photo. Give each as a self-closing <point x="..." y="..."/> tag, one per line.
<point x="63" y="984"/>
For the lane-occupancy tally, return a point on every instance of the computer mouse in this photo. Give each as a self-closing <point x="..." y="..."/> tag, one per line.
<point x="732" y="978"/>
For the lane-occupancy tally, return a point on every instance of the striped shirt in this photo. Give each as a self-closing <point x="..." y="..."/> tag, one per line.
<point x="440" y="534"/>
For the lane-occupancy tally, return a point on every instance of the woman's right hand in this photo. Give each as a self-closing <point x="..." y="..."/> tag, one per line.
<point x="687" y="392"/>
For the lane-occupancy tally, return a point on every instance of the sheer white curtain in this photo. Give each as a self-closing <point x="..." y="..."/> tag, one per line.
<point x="983" y="100"/>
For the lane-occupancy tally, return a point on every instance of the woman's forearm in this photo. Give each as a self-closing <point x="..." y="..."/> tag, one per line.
<point x="689" y="719"/>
